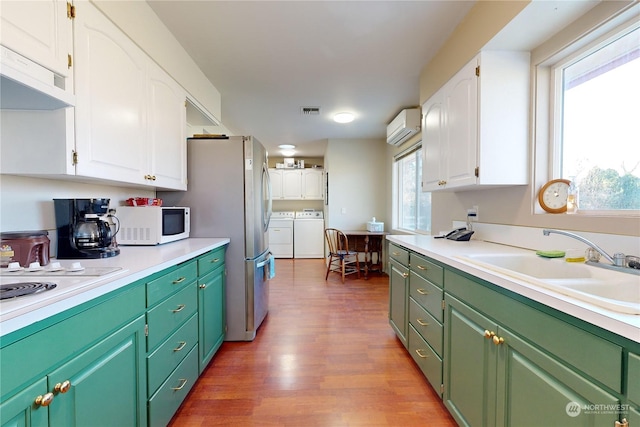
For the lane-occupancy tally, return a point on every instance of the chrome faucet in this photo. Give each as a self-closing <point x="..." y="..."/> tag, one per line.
<point x="618" y="259"/>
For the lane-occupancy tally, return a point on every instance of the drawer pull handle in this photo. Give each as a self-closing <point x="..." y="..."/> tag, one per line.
<point x="62" y="387"/>
<point x="181" y="386"/>
<point x="489" y="334"/>
<point x="405" y="275"/>
<point x="422" y="291"/>
<point x="422" y="267"/>
<point x="395" y="253"/>
<point x="179" y="309"/>
<point x="44" y="400"/>
<point x="180" y="280"/>
<point x="420" y="354"/>
<point x="422" y="322"/>
<point x="213" y="261"/>
<point x="202" y="286"/>
<point x="497" y="340"/>
<point x="180" y="346"/>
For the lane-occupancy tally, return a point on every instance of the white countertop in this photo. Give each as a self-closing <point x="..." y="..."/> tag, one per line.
<point x="136" y="262"/>
<point x="447" y="251"/>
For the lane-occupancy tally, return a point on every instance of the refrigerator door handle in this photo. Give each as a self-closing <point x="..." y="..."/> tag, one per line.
<point x="265" y="262"/>
<point x="269" y="210"/>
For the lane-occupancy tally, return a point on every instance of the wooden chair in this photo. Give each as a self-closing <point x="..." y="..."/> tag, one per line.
<point x="341" y="259"/>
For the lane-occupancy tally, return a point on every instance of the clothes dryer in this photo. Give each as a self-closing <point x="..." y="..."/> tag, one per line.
<point x="308" y="234"/>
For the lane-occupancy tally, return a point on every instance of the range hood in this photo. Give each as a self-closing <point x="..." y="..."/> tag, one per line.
<point x="26" y="85"/>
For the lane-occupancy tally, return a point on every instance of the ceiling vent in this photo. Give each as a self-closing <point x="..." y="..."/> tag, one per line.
<point x="404" y="126"/>
<point x="310" y="111"/>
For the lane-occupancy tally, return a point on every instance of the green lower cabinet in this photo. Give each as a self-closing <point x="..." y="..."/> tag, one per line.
<point x="493" y="377"/>
<point x="469" y="365"/>
<point x="103" y="383"/>
<point x="211" y="315"/>
<point x="535" y="390"/>
<point x="22" y="411"/>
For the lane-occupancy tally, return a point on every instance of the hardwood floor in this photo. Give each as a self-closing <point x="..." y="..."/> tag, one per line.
<point x="324" y="356"/>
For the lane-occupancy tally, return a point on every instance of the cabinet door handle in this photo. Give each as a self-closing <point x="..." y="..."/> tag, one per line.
<point x="44" y="400"/>
<point x="180" y="346"/>
<point x="179" y="309"/>
<point x="202" y="286"/>
<point x="498" y="340"/>
<point x="179" y="280"/>
<point x="422" y="322"/>
<point x="489" y="334"/>
<point x="422" y="267"/>
<point x="420" y="354"/>
<point x="623" y="423"/>
<point x="181" y="386"/>
<point x="62" y="387"/>
<point x="422" y="291"/>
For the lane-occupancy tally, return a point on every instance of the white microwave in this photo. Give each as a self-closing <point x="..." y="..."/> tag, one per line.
<point x="152" y="225"/>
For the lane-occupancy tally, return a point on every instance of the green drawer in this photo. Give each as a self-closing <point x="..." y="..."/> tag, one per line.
<point x="164" y="360"/>
<point x="427" y="269"/>
<point x="164" y="404"/>
<point x="426" y="325"/>
<point x="633" y="378"/>
<point x="399" y="254"/>
<point x="171" y="314"/>
<point x="428" y="361"/>
<point x="168" y="283"/>
<point x="427" y="295"/>
<point x="210" y="261"/>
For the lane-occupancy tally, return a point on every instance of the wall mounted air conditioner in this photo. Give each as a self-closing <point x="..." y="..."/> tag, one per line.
<point x="404" y="126"/>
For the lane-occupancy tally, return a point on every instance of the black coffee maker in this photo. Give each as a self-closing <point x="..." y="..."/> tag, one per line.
<point x="82" y="233"/>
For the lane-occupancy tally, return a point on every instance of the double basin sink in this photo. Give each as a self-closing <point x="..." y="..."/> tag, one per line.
<point x="609" y="289"/>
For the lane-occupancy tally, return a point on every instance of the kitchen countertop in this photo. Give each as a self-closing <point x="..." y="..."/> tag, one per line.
<point x="135" y="262"/>
<point x="447" y="252"/>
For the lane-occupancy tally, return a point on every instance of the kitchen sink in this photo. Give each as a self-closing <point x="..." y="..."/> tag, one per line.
<point x="613" y="290"/>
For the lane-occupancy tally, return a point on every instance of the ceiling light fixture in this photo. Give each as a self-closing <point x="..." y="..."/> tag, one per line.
<point x="287" y="153"/>
<point x="343" y="117"/>
<point x="286" y="146"/>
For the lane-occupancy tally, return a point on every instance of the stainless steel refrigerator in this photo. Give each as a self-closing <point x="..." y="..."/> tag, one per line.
<point x="229" y="194"/>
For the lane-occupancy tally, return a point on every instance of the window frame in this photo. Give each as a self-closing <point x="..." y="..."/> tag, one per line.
<point x="547" y="84"/>
<point x="414" y="150"/>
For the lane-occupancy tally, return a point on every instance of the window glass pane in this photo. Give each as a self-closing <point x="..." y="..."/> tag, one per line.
<point x="601" y="125"/>
<point x="413" y="206"/>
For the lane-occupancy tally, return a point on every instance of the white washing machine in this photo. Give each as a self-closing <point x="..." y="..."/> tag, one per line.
<point x="281" y="234"/>
<point x="308" y="234"/>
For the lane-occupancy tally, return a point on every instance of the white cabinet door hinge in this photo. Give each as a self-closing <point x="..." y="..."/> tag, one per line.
<point x="71" y="11"/>
<point x="74" y="157"/>
<point x="146" y="330"/>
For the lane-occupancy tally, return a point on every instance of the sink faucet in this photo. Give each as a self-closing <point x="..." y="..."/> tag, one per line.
<point x="617" y="259"/>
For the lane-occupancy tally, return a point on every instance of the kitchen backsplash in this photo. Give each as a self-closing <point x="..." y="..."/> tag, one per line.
<point x="27" y="203"/>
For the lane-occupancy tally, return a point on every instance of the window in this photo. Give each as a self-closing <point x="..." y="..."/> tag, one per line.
<point x="412" y="207"/>
<point x="596" y="128"/>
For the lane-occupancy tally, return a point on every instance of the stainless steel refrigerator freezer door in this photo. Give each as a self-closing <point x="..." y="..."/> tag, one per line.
<point x="257" y="273"/>
<point x="257" y="193"/>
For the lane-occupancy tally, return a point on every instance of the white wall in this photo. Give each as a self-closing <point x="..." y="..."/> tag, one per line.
<point x="358" y="182"/>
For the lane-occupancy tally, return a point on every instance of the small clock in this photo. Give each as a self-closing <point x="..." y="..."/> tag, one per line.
<point x="553" y="195"/>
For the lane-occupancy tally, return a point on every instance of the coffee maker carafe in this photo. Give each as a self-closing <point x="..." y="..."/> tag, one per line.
<point x="82" y="233"/>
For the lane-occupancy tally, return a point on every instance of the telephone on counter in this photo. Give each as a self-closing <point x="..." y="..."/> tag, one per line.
<point x="459" y="234"/>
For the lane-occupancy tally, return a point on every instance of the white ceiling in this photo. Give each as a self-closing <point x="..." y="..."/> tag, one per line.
<point x="270" y="58"/>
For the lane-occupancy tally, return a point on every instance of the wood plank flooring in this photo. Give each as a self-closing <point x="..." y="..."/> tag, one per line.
<point x="325" y="356"/>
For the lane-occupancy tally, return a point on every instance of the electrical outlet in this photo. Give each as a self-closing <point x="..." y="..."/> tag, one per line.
<point x="477" y="213"/>
<point x="472" y="214"/>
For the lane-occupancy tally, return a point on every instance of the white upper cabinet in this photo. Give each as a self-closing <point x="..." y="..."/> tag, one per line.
<point x="312" y="183"/>
<point x="130" y="114"/>
<point x="111" y="100"/>
<point x="296" y="184"/>
<point x="475" y="127"/>
<point x="167" y="150"/>
<point x="39" y="30"/>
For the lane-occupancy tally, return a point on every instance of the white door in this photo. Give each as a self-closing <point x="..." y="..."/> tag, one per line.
<point x="433" y="166"/>
<point x="312" y="184"/>
<point x="292" y="184"/>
